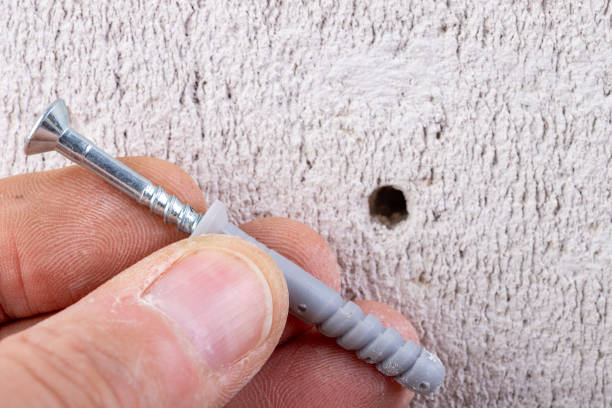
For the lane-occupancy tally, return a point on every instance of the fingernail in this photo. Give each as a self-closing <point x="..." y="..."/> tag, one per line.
<point x="220" y="300"/>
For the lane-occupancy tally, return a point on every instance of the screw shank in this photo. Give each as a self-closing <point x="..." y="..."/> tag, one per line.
<point x="81" y="151"/>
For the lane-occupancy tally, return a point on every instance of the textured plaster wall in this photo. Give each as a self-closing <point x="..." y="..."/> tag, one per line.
<point x="494" y="118"/>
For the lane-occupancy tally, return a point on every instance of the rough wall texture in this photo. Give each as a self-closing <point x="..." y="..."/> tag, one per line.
<point x="493" y="118"/>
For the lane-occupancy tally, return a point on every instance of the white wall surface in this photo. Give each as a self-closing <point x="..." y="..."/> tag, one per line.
<point x="494" y="119"/>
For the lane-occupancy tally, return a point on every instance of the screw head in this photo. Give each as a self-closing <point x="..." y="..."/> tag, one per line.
<point x="48" y="129"/>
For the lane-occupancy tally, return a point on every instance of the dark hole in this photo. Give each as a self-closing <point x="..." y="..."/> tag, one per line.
<point x="388" y="205"/>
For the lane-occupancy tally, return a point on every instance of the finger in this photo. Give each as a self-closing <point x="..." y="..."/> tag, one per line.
<point x="64" y="232"/>
<point x="187" y="326"/>
<point x="312" y="370"/>
<point x="16" y="326"/>
<point x="302" y="245"/>
<point x="293" y="239"/>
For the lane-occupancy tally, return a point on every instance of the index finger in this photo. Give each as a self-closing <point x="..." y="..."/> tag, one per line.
<point x="64" y="232"/>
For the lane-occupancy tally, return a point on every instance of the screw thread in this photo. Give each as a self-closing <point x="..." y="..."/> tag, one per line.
<point x="170" y="208"/>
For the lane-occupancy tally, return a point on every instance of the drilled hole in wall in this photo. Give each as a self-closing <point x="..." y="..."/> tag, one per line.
<point x="388" y="205"/>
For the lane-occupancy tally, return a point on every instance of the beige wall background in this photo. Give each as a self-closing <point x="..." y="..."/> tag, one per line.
<point x="492" y="117"/>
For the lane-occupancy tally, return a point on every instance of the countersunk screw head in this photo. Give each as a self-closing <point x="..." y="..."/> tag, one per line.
<point x="48" y="129"/>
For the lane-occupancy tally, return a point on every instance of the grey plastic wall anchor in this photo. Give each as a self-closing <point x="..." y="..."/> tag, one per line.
<point x="362" y="334"/>
<point x="313" y="302"/>
<point x="310" y="300"/>
<point x="403" y="358"/>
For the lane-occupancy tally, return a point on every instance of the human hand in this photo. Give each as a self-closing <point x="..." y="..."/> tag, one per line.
<point x="201" y="322"/>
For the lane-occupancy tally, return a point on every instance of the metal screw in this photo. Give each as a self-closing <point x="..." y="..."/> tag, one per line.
<point x="53" y="132"/>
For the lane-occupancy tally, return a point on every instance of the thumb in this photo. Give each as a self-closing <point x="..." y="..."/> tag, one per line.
<point x="187" y="326"/>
